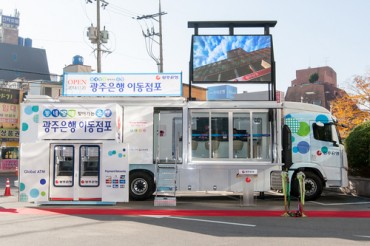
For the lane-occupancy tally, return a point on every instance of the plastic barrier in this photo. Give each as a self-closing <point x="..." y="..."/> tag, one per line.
<point x="286" y="191"/>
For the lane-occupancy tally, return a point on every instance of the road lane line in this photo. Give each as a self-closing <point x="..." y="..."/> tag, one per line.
<point x="213" y="221"/>
<point x="339" y="204"/>
<point x="362" y="236"/>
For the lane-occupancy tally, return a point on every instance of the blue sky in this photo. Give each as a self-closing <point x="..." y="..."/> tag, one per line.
<point x="212" y="48"/>
<point x="309" y="33"/>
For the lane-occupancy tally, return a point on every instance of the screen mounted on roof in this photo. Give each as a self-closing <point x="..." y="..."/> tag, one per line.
<point x="231" y="58"/>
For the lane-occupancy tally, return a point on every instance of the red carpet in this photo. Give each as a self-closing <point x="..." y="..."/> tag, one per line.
<point x="174" y="212"/>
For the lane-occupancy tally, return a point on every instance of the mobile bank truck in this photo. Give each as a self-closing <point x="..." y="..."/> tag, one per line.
<point x="111" y="135"/>
<point x="102" y="148"/>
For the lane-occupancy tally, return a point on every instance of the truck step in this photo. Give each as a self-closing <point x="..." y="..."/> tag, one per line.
<point x="165" y="201"/>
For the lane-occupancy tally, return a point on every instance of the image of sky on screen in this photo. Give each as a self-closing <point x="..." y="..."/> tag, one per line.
<point x="213" y="48"/>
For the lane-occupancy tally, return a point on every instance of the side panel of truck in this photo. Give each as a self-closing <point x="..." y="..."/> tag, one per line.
<point x="316" y="148"/>
<point x="62" y="157"/>
<point x="210" y="142"/>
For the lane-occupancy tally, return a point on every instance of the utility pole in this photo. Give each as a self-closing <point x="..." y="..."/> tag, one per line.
<point x="160" y="41"/>
<point x="96" y="35"/>
<point x="151" y="34"/>
<point x="98" y="43"/>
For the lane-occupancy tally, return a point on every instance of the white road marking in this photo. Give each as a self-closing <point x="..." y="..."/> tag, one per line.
<point x="156" y="216"/>
<point x="340" y="204"/>
<point x="213" y="221"/>
<point x="362" y="236"/>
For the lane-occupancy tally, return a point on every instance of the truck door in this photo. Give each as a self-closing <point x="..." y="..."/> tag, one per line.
<point x="326" y="151"/>
<point x="168" y="135"/>
<point x="75" y="172"/>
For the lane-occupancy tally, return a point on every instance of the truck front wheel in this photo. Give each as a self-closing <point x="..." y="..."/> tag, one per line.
<point x="313" y="186"/>
<point x="141" y="186"/>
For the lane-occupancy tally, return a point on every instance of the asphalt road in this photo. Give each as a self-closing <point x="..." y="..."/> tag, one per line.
<point x="194" y="221"/>
<point x="60" y="229"/>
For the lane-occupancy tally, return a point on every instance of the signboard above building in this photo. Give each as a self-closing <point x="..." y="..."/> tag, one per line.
<point x="9" y="21"/>
<point x="11" y="96"/>
<point x="127" y="84"/>
<point x="221" y="92"/>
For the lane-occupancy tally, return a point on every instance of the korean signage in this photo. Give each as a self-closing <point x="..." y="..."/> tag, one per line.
<point x="82" y="84"/>
<point x="9" y="96"/>
<point x="70" y="121"/>
<point x="10" y="21"/>
<point x="9" y="113"/>
<point x="247" y="172"/>
<point x="9" y="134"/>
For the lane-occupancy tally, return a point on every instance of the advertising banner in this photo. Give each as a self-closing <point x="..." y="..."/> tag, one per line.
<point x="34" y="172"/>
<point x="82" y="84"/>
<point x="69" y="121"/>
<point x="115" y="173"/>
<point x="138" y="131"/>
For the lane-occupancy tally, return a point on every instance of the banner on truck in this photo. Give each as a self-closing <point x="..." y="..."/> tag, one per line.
<point x="130" y="84"/>
<point x="71" y="121"/>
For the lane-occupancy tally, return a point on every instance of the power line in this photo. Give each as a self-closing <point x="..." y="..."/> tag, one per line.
<point x="122" y="11"/>
<point x="150" y="35"/>
<point x="29" y="72"/>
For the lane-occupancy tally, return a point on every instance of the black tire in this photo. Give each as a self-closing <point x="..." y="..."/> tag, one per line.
<point x="313" y="186"/>
<point x="141" y="186"/>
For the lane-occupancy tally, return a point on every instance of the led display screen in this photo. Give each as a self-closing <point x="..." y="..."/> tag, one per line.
<point x="231" y="59"/>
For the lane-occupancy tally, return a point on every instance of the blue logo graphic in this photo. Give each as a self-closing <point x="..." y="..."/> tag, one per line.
<point x="63" y="113"/>
<point x="99" y="113"/>
<point x="108" y="113"/>
<point x="55" y="112"/>
<point x="47" y="113"/>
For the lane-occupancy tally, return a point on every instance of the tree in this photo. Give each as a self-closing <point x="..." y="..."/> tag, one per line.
<point x="360" y="91"/>
<point x="354" y="108"/>
<point x="345" y="109"/>
<point x="358" y="150"/>
<point x="313" y="77"/>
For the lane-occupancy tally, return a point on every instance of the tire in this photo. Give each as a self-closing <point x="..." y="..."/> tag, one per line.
<point x="141" y="186"/>
<point x="313" y="186"/>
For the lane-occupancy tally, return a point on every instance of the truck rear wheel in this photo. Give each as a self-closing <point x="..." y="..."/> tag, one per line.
<point x="141" y="186"/>
<point x="313" y="186"/>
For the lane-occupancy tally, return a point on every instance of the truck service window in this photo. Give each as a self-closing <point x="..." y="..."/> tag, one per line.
<point x="230" y="135"/>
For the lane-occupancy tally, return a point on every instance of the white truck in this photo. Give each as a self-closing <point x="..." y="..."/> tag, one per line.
<point x="209" y="143"/>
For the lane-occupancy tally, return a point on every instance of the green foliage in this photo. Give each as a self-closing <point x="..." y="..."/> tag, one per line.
<point x="314" y="77"/>
<point x="358" y="150"/>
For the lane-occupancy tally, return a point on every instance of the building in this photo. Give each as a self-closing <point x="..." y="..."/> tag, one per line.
<point x="258" y="96"/>
<point x="18" y="59"/>
<point x="77" y="66"/>
<point x="197" y="93"/>
<point x="314" y="85"/>
<point x="325" y="74"/>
